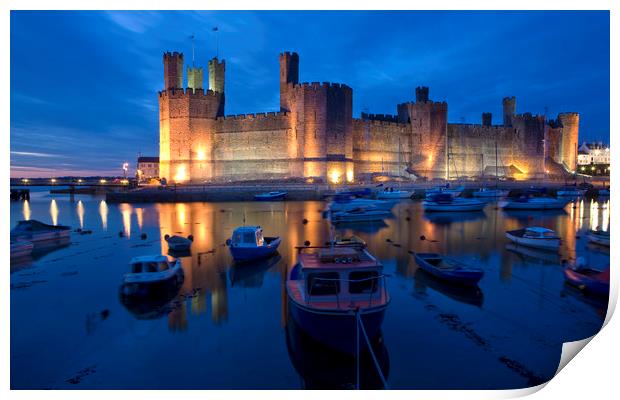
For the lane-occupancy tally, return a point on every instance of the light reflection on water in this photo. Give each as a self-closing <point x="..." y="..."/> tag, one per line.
<point x="235" y="316"/>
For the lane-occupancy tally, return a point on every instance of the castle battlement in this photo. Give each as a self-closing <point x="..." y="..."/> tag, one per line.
<point x="187" y="92"/>
<point x="254" y="116"/>
<point x="318" y="86"/>
<point x="378" y="122"/>
<point x="379" y="117"/>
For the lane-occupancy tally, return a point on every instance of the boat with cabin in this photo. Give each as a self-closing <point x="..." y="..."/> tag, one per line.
<point x="535" y="236"/>
<point x="359" y="214"/>
<point x="35" y="231"/>
<point x="486" y="193"/>
<point x="179" y="243"/>
<point x="151" y="274"/>
<point x="270" y="196"/>
<point x="330" y="288"/>
<point x="446" y="189"/>
<point x="392" y="193"/>
<point x="345" y="203"/>
<point x="448" y="269"/>
<point x="248" y="243"/>
<point x="446" y="202"/>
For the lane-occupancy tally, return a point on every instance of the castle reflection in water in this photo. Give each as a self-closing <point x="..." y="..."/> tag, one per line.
<point x="209" y="265"/>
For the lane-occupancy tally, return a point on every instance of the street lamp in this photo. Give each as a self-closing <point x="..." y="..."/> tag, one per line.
<point x="125" y="168"/>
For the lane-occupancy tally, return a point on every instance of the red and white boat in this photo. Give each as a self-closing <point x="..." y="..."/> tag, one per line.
<point x="330" y="288"/>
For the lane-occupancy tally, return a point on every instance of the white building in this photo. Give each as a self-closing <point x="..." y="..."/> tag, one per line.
<point x="148" y="168"/>
<point x="593" y="153"/>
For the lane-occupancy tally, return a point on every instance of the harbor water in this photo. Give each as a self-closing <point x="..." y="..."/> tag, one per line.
<point x="228" y="326"/>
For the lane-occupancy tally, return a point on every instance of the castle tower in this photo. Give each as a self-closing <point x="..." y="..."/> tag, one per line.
<point x="173" y="70"/>
<point x="510" y="108"/>
<point x="421" y="94"/>
<point x="217" y="72"/>
<point x="289" y="73"/>
<point x="194" y="77"/>
<point x="487" y="119"/>
<point x="570" y="139"/>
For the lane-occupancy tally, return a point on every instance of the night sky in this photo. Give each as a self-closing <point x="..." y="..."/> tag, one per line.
<point x="84" y="84"/>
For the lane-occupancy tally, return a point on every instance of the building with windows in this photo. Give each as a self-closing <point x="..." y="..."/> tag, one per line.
<point x="593" y="153"/>
<point x="148" y="168"/>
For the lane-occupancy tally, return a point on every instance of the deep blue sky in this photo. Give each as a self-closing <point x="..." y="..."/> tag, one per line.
<point x="84" y="84"/>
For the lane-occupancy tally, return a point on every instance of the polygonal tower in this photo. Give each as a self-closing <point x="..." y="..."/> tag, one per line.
<point x="289" y="73"/>
<point x="194" y="77"/>
<point x="510" y="108"/>
<point x="173" y="70"/>
<point x="217" y="71"/>
<point x="570" y="139"/>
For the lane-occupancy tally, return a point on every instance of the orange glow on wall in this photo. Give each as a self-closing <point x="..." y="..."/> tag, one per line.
<point x="350" y="175"/>
<point x="201" y="154"/>
<point x="181" y="174"/>
<point x="334" y="176"/>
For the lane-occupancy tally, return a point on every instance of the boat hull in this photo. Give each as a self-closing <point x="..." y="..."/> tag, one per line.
<point x="244" y="254"/>
<point x="493" y="194"/>
<point x="467" y="278"/>
<point x="587" y="282"/>
<point x="265" y="197"/>
<point x="539" y="243"/>
<point x="337" y="328"/>
<point x="598" y="239"/>
<point x="394" y="195"/>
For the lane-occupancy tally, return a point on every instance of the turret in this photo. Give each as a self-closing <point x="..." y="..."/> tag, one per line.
<point x="421" y="94"/>
<point x="173" y="70"/>
<point x="487" y="119"/>
<point x="194" y="78"/>
<point x="217" y="72"/>
<point x="289" y="73"/>
<point x="510" y="107"/>
<point x="570" y="139"/>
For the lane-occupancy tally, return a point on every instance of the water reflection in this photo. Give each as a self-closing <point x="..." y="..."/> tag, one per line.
<point x="471" y="295"/>
<point x="103" y="212"/>
<point x="26" y="210"/>
<point x="126" y="210"/>
<point x="80" y="213"/>
<point x="447" y="218"/>
<point x="54" y="212"/>
<point x="251" y="274"/>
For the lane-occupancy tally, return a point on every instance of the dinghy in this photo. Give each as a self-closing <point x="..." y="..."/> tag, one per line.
<point x="270" y="196"/>
<point x="36" y="231"/>
<point x="248" y="243"/>
<point x="535" y="236"/>
<point x="599" y="237"/>
<point x="179" y="243"/>
<point x="446" y="202"/>
<point x="448" y="269"/>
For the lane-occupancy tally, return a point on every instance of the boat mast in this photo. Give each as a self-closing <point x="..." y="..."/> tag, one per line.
<point x="496" y="169"/>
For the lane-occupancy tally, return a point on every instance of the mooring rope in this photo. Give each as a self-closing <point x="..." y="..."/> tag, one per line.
<point x="360" y="324"/>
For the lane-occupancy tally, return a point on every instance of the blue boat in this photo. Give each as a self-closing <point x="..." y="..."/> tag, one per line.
<point x="248" y="243"/>
<point x="330" y="288"/>
<point x="270" y="196"/>
<point x="448" y="269"/>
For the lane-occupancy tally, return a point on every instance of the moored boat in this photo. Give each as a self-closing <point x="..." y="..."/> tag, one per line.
<point x="20" y="248"/>
<point x="453" y="191"/>
<point x="248" y="243"/>
<point x="151" y="274"/>
<point x="535" y="236"/>
<point x="490" y="193"/>
<point x="350" y="203"/>
<point x="448" y="268"/>
<point x="391" y="193"/>
<point x="347" y="241"/>
<point x="360" y="214"/>
<point x="533" y="203"/>
<point x="568" y="191"/>
<point x="270" y="196"/>
<point x="330" y="288"/>
<point x="36" y="231"/>
<point x="446" y="202"/>
<point x="588" y="280"/>
<point x="179" y="243"/>
<point x="599" y="237"/>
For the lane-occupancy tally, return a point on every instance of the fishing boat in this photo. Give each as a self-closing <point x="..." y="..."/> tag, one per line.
<point x="330" y="288"/>
<point x="486" y="192"/>
<point x="391" y="193"/>
<point x="270" y="196"/>
<point x="151" y="274"/>
<point x="346" y="241"/>
<point x="599" y="237"/>
<point x="535" y="236"/>
<point x="349" y="203"/>
<point x="446" y="202"/>
<point x="20" y="248"/>
<point x="354" y="192"/>
<point x="360" y="214"/>
<point x="587" y="279"/>
<point x="533" y="203"/>
<point x="179" y="243"/>
<point x="36" y="231"/>
<point x="568" y="191"/>
<point x="448" y="269"/>
<point x="248" y="243"/>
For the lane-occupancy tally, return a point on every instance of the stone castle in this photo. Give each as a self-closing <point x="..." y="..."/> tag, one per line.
<point x="314" y="135"/>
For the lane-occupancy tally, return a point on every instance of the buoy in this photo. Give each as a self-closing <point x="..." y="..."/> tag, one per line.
<point x="304" y="221"/>
<point x="166" y="236"/>
<point x="121" y="234"/>
<point x="143" y="236"/>
<point x="388" y="240"/>
<point x="307" y="243"/>
<point x="191" y="238"/>
<point x="422" y="237"/>
<point x="408" y="218"/>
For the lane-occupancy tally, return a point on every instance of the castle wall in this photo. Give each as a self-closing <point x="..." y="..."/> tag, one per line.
<point x="380" y="147"/>
<point x="570" y="140"/>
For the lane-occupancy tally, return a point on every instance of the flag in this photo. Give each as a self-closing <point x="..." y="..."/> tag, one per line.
<point x="192" y="36"/>
<point x="215" y="29"/>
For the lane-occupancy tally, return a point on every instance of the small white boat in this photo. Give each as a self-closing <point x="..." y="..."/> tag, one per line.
<point x="359" y="214"/>
<point x="536" y="236"/>
<point x="353" y="203"/>
<point x="36" y="231"/>
<point x="534" y="203"/>
<point x="391" y="193"/>
<point x="152" y="269"/>
<point x="599" y="237"/>
<point x="20" y="248"/>
<point x="179" y="243"/>
<point x="446" y="202"/>
<point x="248" y="243"/>
<point x="270" y="196"/>
<point x="490" y="193"/>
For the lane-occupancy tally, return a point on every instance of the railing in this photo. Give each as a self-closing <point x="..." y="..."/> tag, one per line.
<point x="374" y="288"/>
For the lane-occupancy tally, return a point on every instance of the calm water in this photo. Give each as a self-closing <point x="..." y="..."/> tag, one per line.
<point x="227" y="327"/>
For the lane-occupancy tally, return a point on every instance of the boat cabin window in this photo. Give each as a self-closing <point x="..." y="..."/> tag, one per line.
<point x="249" y="237"/>
<point x="163" y="266"/>
<point x="150" y="267"/>
<point x="323" y="283"/>
<point x="136" y="268"/>
<point x="363" y="282"/>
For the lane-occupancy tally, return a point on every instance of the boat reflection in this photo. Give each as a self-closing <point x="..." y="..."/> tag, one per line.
<point x="524" y="216"/>
<point x="323" y="368"/>
<point x="152" y="307"/>
<point x="532" y="254"/>
<point x="362" y="226"/>
<point x="251" y="274"/>
<point x="447" y="218"/>
<point x="597" y="303"/>
<point x="40" y="250"/>
<point x="471" y="295"/>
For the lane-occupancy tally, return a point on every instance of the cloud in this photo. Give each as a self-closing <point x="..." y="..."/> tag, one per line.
<point x="35" y="154"/>
<point x="134" y="21"/>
